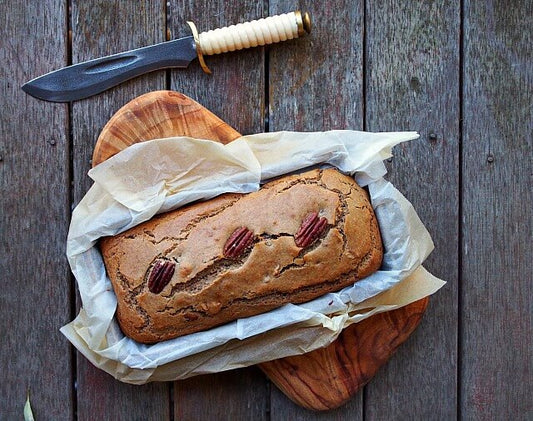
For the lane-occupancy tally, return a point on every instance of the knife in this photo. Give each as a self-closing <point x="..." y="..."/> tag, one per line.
<point x="89" y="78"/>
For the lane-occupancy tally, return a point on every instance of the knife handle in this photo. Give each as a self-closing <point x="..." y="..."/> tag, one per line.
<point x="251" y="34"/>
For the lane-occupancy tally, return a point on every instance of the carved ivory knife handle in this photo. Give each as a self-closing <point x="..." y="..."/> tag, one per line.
<point x="250" y="34"/>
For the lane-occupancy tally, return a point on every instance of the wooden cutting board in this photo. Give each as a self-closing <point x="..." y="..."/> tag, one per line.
<point x="322" y="379"/>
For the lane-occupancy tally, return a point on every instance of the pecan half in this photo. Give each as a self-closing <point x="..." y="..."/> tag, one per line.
<point x="160" y="276"/>
<point x="312" y="227"/>
<point x="239" y="241"/>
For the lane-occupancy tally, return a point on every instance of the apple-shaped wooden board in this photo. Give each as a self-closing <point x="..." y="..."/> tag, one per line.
<point x="319" y="380"/>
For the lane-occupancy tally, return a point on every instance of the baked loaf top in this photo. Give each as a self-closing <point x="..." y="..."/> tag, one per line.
<point x="235" y="256"/>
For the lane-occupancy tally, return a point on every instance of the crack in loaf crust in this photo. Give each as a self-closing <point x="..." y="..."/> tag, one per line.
<point x="208" y="289"/>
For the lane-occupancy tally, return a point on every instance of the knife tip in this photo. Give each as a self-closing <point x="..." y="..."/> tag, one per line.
<point x="35" y="91"/>
<point x="25" y="88"/>
<point x="30" y="89"/>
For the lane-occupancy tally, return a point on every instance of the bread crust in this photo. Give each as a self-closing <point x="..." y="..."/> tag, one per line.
<point x="208" y="289"/>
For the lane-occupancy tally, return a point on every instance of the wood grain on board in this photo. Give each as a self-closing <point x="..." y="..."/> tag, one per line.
<point x="329" y="377"/>
<point x="157" y="115"/>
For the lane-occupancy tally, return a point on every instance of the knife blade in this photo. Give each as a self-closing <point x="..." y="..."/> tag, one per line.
<point x="92" y="77"/>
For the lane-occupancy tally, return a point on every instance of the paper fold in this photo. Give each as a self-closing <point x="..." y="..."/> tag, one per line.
<point x="160" y="175"/>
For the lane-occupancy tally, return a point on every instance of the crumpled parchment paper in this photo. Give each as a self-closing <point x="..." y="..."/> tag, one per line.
<point x="163" y="174"/>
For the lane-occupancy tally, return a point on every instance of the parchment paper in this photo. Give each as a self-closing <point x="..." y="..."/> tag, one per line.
<point x="160" y="175"/>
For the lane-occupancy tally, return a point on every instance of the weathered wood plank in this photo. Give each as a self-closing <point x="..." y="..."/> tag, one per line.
<point x="496" y="290"/>
<point x="315" y="83"/>
<point x="99" y="28"/>
<point x="233" y="395"/>
<point x="412" y="76"/>
<point x="235" y="89"/>
<point x="34" y="171"/>
<point x="235" y="93"/>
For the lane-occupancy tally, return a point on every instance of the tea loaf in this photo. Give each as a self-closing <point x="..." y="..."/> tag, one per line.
<point x="239" y="255"/>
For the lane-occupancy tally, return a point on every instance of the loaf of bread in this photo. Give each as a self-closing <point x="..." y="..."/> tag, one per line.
<point x="239" y="255"/>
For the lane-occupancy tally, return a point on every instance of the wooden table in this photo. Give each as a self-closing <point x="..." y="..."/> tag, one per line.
<point x="460" y="73"/>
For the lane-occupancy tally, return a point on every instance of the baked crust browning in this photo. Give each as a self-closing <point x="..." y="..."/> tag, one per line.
<point x="235" y="256"/>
